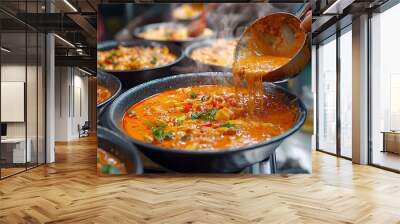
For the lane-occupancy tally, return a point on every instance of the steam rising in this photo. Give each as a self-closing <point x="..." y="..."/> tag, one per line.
<point x="229" y="20"/>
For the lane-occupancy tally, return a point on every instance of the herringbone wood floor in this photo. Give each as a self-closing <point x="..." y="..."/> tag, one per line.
<point x="70" y="192"/>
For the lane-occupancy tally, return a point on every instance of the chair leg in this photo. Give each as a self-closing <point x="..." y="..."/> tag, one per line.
<point x="273" y="163"/>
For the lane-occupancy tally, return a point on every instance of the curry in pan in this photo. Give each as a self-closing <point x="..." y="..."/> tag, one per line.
<point x="103" y="93"/>
<point x="107" y="163"/>
<point x="134" y="58"/>
<point x="206" y="117"/>
<point x="215" y="117"/>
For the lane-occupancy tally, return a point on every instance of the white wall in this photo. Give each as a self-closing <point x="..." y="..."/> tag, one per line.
<point x="14" y="72"/>
<point x="33" y="126"/>
<point x="81" y="103"/>
<point x="71" y="94"/>
<point x="61" y="104"/>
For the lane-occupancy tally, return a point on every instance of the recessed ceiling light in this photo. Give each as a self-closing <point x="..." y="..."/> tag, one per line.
<point x="70" y="5"/>
<point x="5" y="50"/>
<point x="64" y="40"/>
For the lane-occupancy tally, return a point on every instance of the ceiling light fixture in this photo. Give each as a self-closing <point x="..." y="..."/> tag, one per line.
<point x="64" y="40"/>
<point x="5" y="50"/>
<point x="337" y="7"/>
<point x="84" y="71"/>
<point x="70" y="5"/>
<point x="79" y="51"/>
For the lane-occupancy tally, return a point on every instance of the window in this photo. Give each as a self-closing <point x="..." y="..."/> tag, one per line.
<point x="22" y="101"/>
<point x="326" y="54"/>
<point x="385" y="89"/>
<point x="346" y="92"/>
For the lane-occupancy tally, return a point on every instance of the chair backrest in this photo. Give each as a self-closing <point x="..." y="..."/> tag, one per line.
<point x="86" y="125"/>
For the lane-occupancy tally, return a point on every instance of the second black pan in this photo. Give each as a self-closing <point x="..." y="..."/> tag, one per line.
<point x="130" y="78"/>
<point x="174" y="25"/>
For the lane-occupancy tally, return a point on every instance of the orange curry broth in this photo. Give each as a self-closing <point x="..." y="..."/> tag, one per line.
<point x="206" y="117"/>
<point x="252" y="69"/>
<point x="258" y="61"/>
<point x="102" y="94"/>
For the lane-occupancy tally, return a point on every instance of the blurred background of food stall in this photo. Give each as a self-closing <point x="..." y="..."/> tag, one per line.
<point x="118" y="21"/>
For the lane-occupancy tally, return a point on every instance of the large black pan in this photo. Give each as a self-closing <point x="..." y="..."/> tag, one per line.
<point x="138" y="30"/>
<point x="130" y="78"/>
<point x="199" y="161"/>
<point x="118" y="146"/>
<point x="113" y="84"/>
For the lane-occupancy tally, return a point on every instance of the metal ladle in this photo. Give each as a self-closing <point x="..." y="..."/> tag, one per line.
<point x="278" y="34"/>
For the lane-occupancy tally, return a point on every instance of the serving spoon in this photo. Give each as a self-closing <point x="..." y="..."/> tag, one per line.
<point x="279" y="35"/>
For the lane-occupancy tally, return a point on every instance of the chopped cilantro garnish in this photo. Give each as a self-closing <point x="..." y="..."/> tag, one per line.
<point x="228" y="125"/>
<point x="111" y="55"/>
<point x="179" y="120"/>
<point x="158" y="130"/>
<point x="196" y="115"/>
<point x="109" y="169"/>
<point x="160" y="134"/>
<point x="154" y="60"/>
<point x="193" y="95"/>
<point x="205" y="115"/>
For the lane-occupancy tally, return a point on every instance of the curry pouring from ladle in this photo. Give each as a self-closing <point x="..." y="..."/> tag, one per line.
<point x="278" y="36"/>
